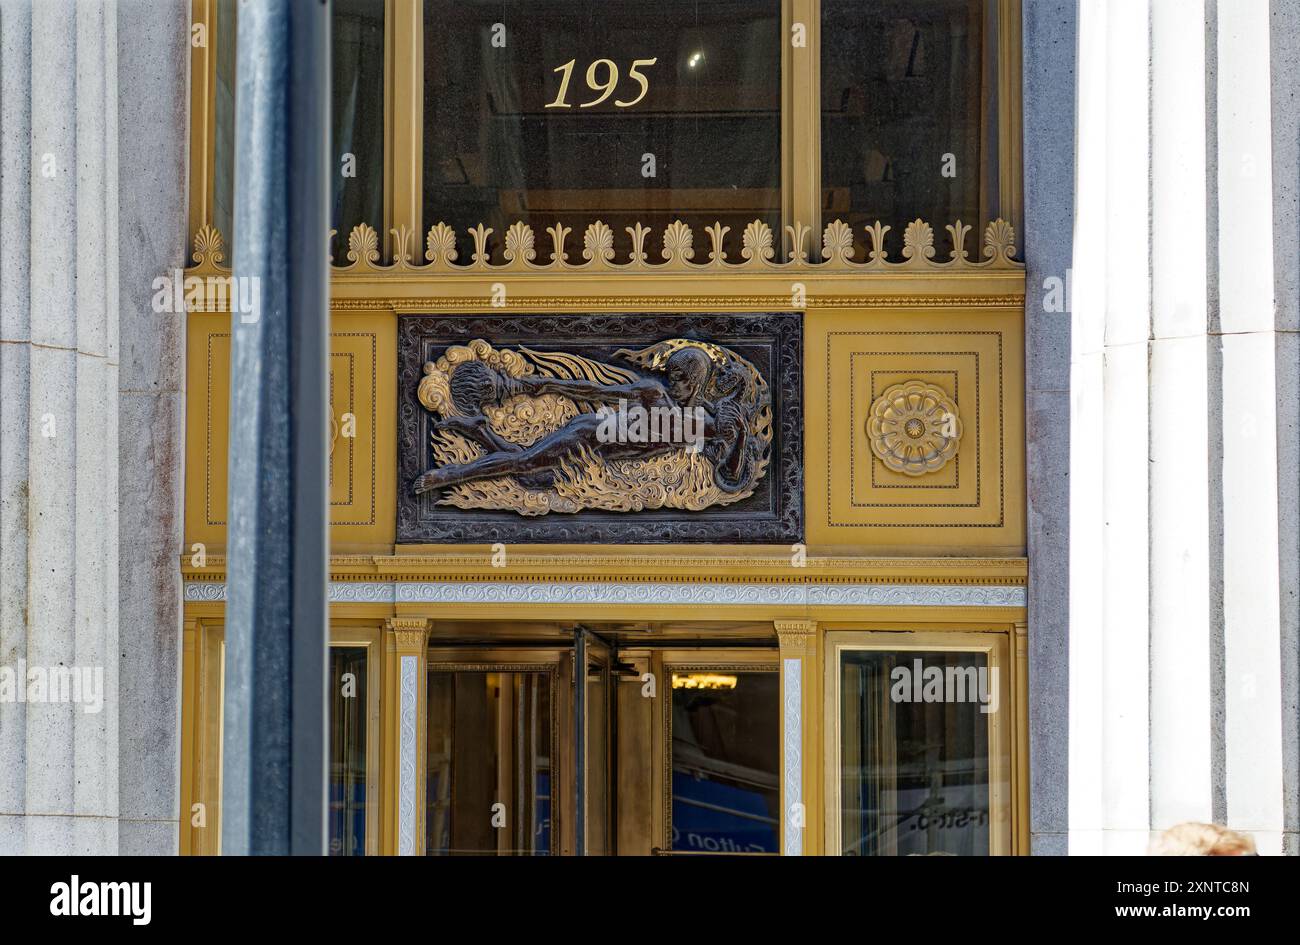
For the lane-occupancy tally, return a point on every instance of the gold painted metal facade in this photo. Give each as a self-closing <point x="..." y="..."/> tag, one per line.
<point x="948" y="315"/>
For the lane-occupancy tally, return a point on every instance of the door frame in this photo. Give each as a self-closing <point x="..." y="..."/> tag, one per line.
<point x="992" y="642"/>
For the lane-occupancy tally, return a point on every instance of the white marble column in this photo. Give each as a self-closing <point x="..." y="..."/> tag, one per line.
<point x="1181" y="716"/>
<point x="1252" y="705"/>
<point x="1284" y="68"/>
<point x="1184" y="417"/>
<point x="1109" y="500"/>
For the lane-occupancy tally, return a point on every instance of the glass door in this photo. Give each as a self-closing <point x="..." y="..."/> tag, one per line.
<point x="519" y="756"/>
<point x="492" y="754"/>
<point x="921" y="744"/>
<point x="722" y="736"/>
<point x="593" y="728"/>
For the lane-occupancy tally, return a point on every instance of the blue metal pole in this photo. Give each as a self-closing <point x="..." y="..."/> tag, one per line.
<point x="274" y="746"/>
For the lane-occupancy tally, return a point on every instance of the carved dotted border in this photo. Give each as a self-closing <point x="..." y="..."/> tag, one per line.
<point x="1002" y="490"/>
<point x="207" y="465"/>
<point x="550" y="304"/>
<point x="374" y="418"/>
<point x="374" y="431"/>
<point x="351" y="373"/>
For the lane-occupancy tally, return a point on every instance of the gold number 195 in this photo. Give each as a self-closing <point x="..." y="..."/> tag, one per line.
<point x="606" y="88"/>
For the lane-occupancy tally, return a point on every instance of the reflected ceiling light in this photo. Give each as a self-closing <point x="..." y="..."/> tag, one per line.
<point x="703" y="681"/>
<point x="695" y="60"/>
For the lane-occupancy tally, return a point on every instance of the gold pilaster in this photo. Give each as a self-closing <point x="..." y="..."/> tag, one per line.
<point x="801" y="144"/>
<point x="203" y="97"/>
<point x="403" y="124"/>
<point x="1010" y="156"/>
<point x="189" y="755"/>
<point x="1020" y="740"/>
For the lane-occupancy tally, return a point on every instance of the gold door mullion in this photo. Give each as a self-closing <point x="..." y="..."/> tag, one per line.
<point x="801" y="121"/>
<point x="203" y="86"/>
<point x="1019" y="736"/>
<point x="191" y="673"/>
<point x="403" y="123"/>
<point x="1010" y="162"/>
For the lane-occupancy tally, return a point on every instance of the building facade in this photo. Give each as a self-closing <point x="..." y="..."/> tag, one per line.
<point x="803" y="427"/>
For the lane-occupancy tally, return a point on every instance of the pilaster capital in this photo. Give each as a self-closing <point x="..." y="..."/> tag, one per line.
<point x="1022" y="638"/>
<point x="798" y="636"/>
<point x="410" y="634"/>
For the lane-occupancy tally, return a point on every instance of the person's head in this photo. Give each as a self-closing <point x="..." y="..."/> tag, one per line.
<point x="687" y="370"/>
<point x="472" y="385"/>
<point x="1194" y="839"/>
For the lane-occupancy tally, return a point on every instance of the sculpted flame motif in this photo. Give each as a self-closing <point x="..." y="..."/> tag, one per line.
<point x="521" y="429"/>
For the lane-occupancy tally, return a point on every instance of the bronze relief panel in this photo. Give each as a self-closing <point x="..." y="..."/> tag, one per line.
<point x="613" y="428"/>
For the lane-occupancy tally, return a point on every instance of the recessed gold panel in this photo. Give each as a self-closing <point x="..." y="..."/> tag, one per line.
<point x="974" y="501"/>
<point x="362" y="429"/>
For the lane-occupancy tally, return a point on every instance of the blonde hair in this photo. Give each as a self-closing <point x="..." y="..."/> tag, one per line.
<point x="1193" y="839"/>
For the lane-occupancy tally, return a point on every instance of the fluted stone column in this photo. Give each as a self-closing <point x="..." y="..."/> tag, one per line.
<point x="59" y="782"/>
<point x="1284" y="57"/>
<point x="73" y="781"/>
<point x="1180" y="639"/>
<point x="1185" y="490"/>
<point x="152" y="108"/>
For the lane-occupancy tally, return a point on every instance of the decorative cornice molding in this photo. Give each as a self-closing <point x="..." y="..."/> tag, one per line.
<point x="520" y="303"/>
<point x="680" y="256"/>
<point x="407" y="623"/>
<point x="634" y="566"/>
<point x="361" y="592"/>
<point x="608" y="592"/>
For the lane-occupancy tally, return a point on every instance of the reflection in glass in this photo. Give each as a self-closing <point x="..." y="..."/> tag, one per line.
<point x="223" y="176"/>
<point x="347" y="788"/>
<point x="540" y="112"/>
<point x="489" y="744"/>
<point x="915" y="773"/>
<point x="357" y="118"/>
<point x="909" y="112"/>
<point x="597" y="823"/>
<point x="725" y="762"/>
